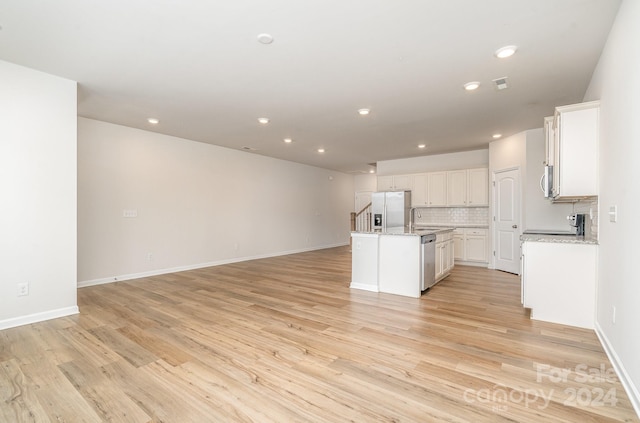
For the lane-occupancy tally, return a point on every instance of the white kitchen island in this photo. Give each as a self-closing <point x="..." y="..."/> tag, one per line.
<point x="390" y="262"/>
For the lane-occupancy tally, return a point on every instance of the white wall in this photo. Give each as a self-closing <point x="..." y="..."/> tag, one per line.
<point x="508" y="153"/>
<point x="434" y="163"/>
<point x="616" y="83"/>
<point x="38" y="186"/>
<point x="525" y="151"/>
<point x="197" y="204"/>
<point x="365" y="183"/>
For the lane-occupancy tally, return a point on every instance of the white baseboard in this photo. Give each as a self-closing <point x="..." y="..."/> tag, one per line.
<point x="364" y="286"/>
<point x="471" y="263"/>
<point x="38" y="317"/>
<point x="627" y="383"/>
<point x="156" y="272"/>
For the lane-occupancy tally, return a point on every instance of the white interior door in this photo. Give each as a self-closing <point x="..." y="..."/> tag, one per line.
<point x="507" y="220"/>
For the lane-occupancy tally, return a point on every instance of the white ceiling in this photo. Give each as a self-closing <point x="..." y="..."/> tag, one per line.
<point x="197" y="66"/>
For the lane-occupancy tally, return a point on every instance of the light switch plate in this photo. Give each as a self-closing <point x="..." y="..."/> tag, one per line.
<point x="613" y="214"/>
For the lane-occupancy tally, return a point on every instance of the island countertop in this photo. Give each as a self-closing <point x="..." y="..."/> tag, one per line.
<point x="406" y="232"/>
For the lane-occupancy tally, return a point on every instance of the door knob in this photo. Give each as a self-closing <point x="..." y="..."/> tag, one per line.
<point x="515" y="226"/>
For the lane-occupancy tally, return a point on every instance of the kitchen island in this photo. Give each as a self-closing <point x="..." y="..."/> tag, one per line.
<point x="394" y="261"/>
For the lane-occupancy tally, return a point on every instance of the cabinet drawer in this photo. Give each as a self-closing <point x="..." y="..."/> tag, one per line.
<point x="480" y="232"/>
<point x="441" y="237"/>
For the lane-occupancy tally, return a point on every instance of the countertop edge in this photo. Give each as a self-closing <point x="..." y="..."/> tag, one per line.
<point x="413" y="233"/>
<point x="558" y="239"/>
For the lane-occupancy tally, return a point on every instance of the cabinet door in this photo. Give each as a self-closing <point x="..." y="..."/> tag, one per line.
<point x="478" y="187"/>
<point x="457" y="188"/>
<point x="458" y="244"/>
<point x="450" y="255"/>
<point x="549" y="142"/>
<point x="578" y="147"/>
<point x="403" y="182"/>
<point x="556" y="156"/>
<point x="476" y="248"/>
<point x="439" y="267"/>
<point x="437" y="189"/>
<point x="419" y="191"/>
<point x="385" y="183"/>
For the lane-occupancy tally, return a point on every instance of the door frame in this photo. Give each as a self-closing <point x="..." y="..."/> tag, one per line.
<point x="492" y="210"/>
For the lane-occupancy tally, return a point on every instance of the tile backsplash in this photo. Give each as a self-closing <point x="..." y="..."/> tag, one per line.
<point x="453" y="215"/>
<point x="589" y="207"/>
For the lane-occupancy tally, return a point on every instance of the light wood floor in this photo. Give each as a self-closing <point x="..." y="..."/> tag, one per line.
<point x="285" y="340"/>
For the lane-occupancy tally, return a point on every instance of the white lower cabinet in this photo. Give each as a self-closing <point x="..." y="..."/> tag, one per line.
<point x="444" y="255"/>
<point x="559" y="282"/>
<point x="471" y="245"/>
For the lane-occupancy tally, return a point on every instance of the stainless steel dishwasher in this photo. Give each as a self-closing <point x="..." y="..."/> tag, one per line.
<point x="428" y="255"/>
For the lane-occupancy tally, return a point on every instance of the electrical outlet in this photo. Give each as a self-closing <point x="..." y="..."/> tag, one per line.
<point x="23" y="289"/>
<point x="149" y="256"/>
<point x="130" y="213"/>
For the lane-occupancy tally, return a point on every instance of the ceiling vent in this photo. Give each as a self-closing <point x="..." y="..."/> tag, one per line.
<point x="501" y="83"/>
<point x="245" y="148"/>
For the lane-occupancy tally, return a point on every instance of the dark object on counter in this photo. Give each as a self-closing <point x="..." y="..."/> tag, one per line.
<point x="578" y="221"/>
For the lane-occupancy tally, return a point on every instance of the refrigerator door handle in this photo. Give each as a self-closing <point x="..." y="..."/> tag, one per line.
<point x="384" y="217"/>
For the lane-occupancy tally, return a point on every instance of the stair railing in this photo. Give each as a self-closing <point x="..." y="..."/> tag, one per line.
<point x="361" y="220"/>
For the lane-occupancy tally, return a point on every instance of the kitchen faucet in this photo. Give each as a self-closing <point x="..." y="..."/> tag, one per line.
<point x="411" y="210"/>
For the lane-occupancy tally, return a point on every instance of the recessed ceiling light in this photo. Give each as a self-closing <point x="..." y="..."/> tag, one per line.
<point x="265" y="38"/>
<point x="263" y="120"/>
<point x="372" y="171"/>
<point x="364" y="112"/>
<point x="506" y="51"/>
<point x="496" y="136"/>
<point x="288" y="140"/>
<point x="153" y="121"/>
<point x="470" y="86"/>
<point x="320" y="150"/>
<point x="422" y="145"/>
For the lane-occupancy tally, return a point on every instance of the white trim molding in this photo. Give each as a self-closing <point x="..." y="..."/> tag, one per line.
<point x="625" y="379"/>
<point x="120" y="278"/>
<point x="38" y="317"/>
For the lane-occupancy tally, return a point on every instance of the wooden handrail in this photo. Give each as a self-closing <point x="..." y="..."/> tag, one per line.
<point x="363" y="209"/>
<point x="363" y="217"/>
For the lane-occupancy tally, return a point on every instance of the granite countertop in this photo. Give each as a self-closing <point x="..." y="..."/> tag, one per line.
<point x="451" y="225"/>
<point x="415" y="232"/>
<point x="557" y="238"/>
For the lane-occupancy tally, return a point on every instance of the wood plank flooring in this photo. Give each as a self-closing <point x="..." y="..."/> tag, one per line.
<point x="285" y="340"/>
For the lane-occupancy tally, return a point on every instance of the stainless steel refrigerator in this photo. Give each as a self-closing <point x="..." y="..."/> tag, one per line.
<point x="391" y="210"/>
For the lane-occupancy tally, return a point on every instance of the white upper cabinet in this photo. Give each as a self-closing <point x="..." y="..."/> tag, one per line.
<point x="576" y="130"/>
<point x="385" y="183"/>
<point x="478" y="187"/>
<point x="403" y="182"/>
<point x="419" y="191"/>
<point x="395" y="183"/>
<point x="468" y="188"/>
<point x="437" y="189"/>
<point x="457" y="188"/>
